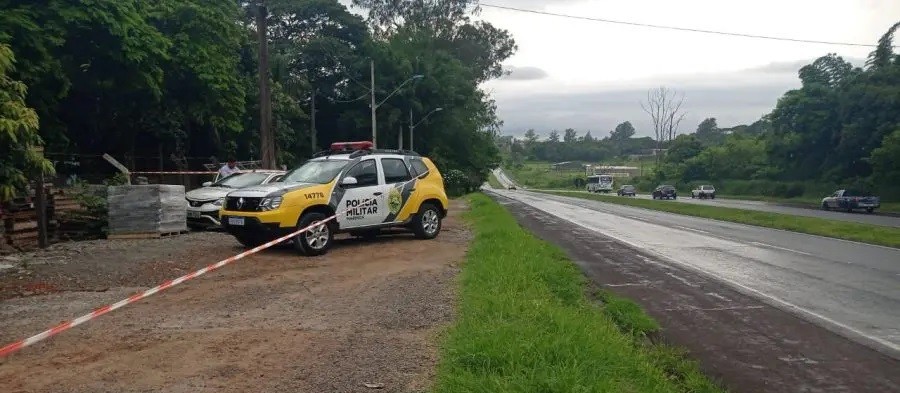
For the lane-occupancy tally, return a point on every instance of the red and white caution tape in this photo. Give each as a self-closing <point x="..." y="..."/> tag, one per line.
<point x="13" y="347"/>
<point x="176" y="173"/>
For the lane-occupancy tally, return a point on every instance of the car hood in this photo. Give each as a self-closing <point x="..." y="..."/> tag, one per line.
<point x="269" y="189"/>
<point x="208" y="193"/>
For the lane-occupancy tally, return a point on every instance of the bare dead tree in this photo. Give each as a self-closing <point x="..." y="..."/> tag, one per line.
<point x="664" y="107"/>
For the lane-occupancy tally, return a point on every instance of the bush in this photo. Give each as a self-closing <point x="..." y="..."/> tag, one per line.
<point x="456" y="182"/>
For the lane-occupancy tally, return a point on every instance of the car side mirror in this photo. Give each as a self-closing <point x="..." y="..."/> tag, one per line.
<point x="207" y="183"/>
<point x="349" y="181"/>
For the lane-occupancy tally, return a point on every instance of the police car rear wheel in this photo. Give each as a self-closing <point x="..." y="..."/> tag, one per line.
<point x="427" y="223"/>
<point x="317" y="240"/>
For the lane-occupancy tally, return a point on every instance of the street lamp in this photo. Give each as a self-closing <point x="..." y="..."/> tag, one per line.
<point x="375" y="106"/>
<point x="412" y="126"/>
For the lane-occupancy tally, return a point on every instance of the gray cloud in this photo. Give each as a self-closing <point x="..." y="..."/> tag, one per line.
<point x="794" y="66"/>
<point x="524" y="73"/>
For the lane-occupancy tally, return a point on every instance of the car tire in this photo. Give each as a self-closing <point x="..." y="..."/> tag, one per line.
<point x="713" y="196"/>
<point x="870" y="210"/>
<point x="825" y="206"/>
<point x="427" y="222"/>
<point x="317" y="240"/>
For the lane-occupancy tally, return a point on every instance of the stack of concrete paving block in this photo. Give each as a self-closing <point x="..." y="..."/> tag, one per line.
<point x="146" y="211"/>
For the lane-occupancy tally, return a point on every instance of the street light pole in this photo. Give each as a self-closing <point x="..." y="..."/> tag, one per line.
<point x="412" y="126"/>
<point x="372" y="90"/>
<point x="376" y="105"/>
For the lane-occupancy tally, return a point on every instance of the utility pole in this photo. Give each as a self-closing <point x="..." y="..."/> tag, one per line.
<point x="400" y="136"/>
<point x="372" y="91"/>
<point x="266" y="139"/>
<point x="312" y="120"/>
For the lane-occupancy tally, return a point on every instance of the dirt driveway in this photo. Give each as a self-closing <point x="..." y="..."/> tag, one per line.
<point x="367" y="312"/>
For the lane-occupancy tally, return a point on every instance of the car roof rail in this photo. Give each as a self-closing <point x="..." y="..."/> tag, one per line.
<point x="360" y="153"/>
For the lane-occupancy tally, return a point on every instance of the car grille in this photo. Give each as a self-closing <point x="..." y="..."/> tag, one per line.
<point x="196" y="203"/>
<point x="248" y="205"/>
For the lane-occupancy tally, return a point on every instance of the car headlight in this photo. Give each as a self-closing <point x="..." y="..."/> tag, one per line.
<point x="219" y="202"/>
<point x="270" y="203"/>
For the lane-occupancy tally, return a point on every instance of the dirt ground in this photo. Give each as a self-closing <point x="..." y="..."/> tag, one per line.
<point x="369" y="312"/>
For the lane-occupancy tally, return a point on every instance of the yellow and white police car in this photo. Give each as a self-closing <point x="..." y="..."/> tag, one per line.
<point x="366" y="189"/>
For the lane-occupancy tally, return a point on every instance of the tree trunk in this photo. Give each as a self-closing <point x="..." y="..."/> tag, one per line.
<point x="266" y="137"/>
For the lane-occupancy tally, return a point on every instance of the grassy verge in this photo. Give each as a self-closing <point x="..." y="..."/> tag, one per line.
<point x="873" y="234"/>
<point x="493" y="182"/>
<point x="526" y="325"/>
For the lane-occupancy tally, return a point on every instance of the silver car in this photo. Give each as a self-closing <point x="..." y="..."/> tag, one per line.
<point x="204" y="203"/>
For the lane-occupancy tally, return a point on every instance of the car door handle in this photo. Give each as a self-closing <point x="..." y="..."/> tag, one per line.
<point x="378" y="193"/>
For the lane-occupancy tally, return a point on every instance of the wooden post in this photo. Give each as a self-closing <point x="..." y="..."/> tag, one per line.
<point x="41" y="206"/>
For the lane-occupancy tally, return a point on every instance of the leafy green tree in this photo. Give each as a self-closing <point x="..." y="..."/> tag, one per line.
<point x="708" y="132"/>
<point x="622" y="131"/>
<point x="886" y="160"/>
<point x="18" y="132"/>
<point x="554" y="136"/>
<point x="570" y="135"/>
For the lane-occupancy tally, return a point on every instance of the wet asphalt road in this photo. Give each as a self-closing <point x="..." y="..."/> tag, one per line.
<point x="856" y="216"/>
<point x="849" y="288"/>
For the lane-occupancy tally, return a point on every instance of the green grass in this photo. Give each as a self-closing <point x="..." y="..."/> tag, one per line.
<point x="525" y="324"/>
<point x="493" y="182"/>
<point x="809" y="202"/>
<point x="873" y="234"/>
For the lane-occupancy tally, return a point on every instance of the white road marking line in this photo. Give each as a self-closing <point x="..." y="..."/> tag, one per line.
<point x="798" y="359"/>
<point x="717" y="296"/>
<point x="691" y="308"/>
<point x="682" y="279"/>
<point x="781" y="248"/>
<point x="634" y="284"/>
<point x="693" y="230"/>
<point x="774" y="299"/>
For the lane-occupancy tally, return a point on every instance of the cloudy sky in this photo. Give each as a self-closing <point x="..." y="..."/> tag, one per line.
<point x="591" y="76"/>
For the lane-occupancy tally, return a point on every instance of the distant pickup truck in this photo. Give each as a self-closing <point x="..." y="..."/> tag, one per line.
<point x="850" y="200"/>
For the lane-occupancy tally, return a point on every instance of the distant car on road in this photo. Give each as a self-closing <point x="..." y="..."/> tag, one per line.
<point x="703" y="192"/>
<point x="850" y="200"/>
<point x="627" y="190"/>
<point x="665" y="191"/>
<point x="511" y="188"/>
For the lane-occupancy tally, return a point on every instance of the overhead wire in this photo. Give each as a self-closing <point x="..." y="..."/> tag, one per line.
<point x="664" y="27"/>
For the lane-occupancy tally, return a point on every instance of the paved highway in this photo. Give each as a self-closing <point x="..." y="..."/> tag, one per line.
<point x="849" y="288"/>
<point x="860" y="217"/>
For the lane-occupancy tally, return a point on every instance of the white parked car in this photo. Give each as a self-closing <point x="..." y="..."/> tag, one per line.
<point x="704" y="192"/>
<point x="204" y="203"/>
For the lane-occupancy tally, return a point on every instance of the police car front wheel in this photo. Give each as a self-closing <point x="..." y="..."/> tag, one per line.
<point x="427" y="223"/>
<point x="316" y="240"/>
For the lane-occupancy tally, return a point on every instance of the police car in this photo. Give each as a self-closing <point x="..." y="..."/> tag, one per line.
<point x="367" y="190"/>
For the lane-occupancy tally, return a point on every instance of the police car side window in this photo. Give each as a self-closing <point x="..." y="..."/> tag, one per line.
<point x="366" y="173"/>
<point x="419" y="167"/>
<point x="394" y="170"/>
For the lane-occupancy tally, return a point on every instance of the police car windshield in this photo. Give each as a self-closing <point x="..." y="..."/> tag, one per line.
<point x="318" y="171"/>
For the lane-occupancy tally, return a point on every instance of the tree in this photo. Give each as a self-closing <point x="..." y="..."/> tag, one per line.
<point x="554" y="136"/>
<point x="708" y="132"/>
<point x="18" y="132"/>
<point x="588" y="137"/>
<point x="622" y="132"/>
<point x="883" y="55"/>
<point x="570" y="135"/>
<point x="664" y="107"/>
<point x="886" y="160"/>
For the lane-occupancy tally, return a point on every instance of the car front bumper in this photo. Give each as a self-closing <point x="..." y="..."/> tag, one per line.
<point x="253" y="226"/>
<point x="206" y="216"/>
